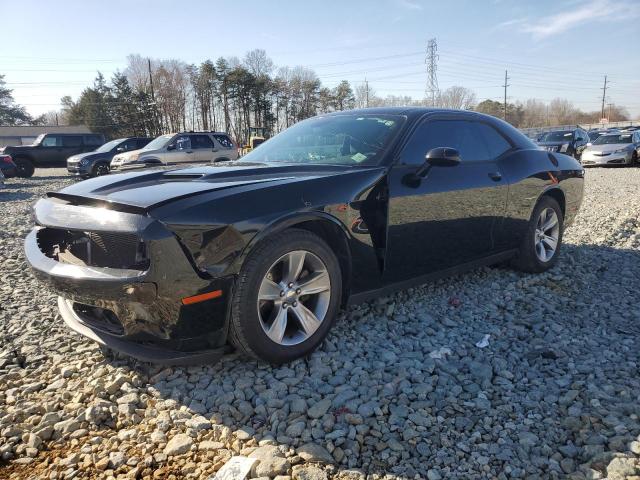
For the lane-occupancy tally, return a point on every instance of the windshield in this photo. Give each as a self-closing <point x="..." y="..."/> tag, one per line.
<point x="611" y="139"/>
<point x="159" y="142"/>
<point x="337" y="140"/>
<point x="556" y="137"/>
<point x="107" y="147"/>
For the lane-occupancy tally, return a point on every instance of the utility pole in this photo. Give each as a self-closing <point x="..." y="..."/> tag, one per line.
<point x="506" y="78"/>
<point x="432" y="66"/>
<point x="609" y="115"/>
<point x="366" y="86"/>
<point x="604" y="94"/>
<point x="57" y="124"/>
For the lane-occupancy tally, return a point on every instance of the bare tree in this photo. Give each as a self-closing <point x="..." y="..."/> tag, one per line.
<point x="457" y="97"/>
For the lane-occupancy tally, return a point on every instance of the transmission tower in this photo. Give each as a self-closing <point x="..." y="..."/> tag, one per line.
<point x="432" y="66"/>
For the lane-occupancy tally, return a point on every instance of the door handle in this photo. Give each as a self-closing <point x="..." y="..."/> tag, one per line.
<point x="495" y="176"/>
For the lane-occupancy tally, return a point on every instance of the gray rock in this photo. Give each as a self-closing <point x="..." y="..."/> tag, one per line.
<point x="318" y="409"/>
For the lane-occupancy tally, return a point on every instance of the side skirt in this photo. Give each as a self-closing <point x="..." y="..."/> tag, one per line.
<point x="412" y="282"/>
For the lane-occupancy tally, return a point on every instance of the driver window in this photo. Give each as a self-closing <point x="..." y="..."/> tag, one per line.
<point x="459" y="134"/>
<point x="183" y="143"/>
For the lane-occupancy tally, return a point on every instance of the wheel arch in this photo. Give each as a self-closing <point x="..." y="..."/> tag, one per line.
<point x="331" y="230"/>
<point x="558" y="195"/>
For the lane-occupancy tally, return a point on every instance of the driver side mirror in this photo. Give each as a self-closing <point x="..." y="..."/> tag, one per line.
<point x="439" y="157"/>
<point x="436" y="157"/>
<point x="171" y="147"/>
<point x="120" y="149"/>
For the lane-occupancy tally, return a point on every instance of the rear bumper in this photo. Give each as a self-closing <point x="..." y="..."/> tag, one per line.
<point x="138" y="312"/>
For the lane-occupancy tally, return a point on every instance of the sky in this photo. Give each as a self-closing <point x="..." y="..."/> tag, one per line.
<point x="551" y="48"/>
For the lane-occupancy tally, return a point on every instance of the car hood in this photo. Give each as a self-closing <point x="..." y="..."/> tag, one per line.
<point x="142" y="190"/>
<point x="608" y="148"/>
<point x="554" y="144"/>
<point x="89" y="155"/>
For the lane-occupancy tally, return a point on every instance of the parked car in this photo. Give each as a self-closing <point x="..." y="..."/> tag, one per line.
<point x="175" y="148"/>
<point x="51" y="149"/>
<point x="7" y="166"/>
<point x="613" y="149"/>
<point x="263" y="252"/>
<point x="569" y="142"/>
<point x="96" y="163"/>
<point x="594" y="134"/>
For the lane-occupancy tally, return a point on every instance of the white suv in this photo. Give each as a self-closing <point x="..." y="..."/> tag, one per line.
<point x="188" y="147"/>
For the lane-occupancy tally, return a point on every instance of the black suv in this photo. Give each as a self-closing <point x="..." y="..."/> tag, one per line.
<point x="51" y="149"/>
<point x="96" y="163"/>
<point x="569" y="142"/>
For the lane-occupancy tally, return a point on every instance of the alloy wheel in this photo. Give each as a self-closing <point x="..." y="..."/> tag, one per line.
<point x="547" y="234"/>
<point x="294" y="297"/>
<point x="101" y="170"/>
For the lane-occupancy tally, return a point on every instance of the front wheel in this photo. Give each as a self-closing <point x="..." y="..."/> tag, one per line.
<point x="287" y="297"/>
<point x="25" y="167"/>
<point x="100" y="169"/>
<point x="540" y="248"/>
<point x="634" y="159"/>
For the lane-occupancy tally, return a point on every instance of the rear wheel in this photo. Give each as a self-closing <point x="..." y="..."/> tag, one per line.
<point x="540" y="247"/>
<point x="25" y="167"/>
<point x="287" y="297"/>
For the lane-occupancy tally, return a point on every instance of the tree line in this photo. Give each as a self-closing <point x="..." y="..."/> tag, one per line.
<point x="150" y="97"/>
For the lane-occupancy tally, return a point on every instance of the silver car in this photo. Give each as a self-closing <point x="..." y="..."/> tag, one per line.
<point x="613" y="149"/>
<point x="180" y="148"/>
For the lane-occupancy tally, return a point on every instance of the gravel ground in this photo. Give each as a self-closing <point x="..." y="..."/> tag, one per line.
<point x="399" y="389"/>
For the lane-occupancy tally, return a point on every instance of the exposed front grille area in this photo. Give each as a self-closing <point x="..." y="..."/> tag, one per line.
<point x="99" y="318"/>
<point x="95" y="249"/>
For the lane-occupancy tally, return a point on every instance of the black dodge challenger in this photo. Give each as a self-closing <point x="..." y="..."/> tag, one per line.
<point x="174" y="265"/>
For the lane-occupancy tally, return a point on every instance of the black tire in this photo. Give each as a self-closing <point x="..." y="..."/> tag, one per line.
<point x="245" y="330"/>
<point x="527" y="260"/>
<point x="100" y="169"/>
<point x="25" y="167"/>
<point x="634" y="159"/>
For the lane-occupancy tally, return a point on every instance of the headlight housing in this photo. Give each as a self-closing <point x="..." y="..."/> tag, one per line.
<point x="620" y="150"/>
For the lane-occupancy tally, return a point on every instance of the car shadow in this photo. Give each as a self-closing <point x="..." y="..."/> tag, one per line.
<point x="8" y="196"/>
<point x="538" y="357"/>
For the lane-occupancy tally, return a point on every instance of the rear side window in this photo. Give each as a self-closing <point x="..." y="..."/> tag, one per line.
<point x="224" y="140"/>
<point x="52" y="141"/>
<point x="496" y="143"/>
<point x="201" y="141"/>
<point x="71" y="141"/>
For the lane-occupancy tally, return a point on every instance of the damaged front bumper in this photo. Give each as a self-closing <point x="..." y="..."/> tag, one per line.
<point x="123" y="279"/>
